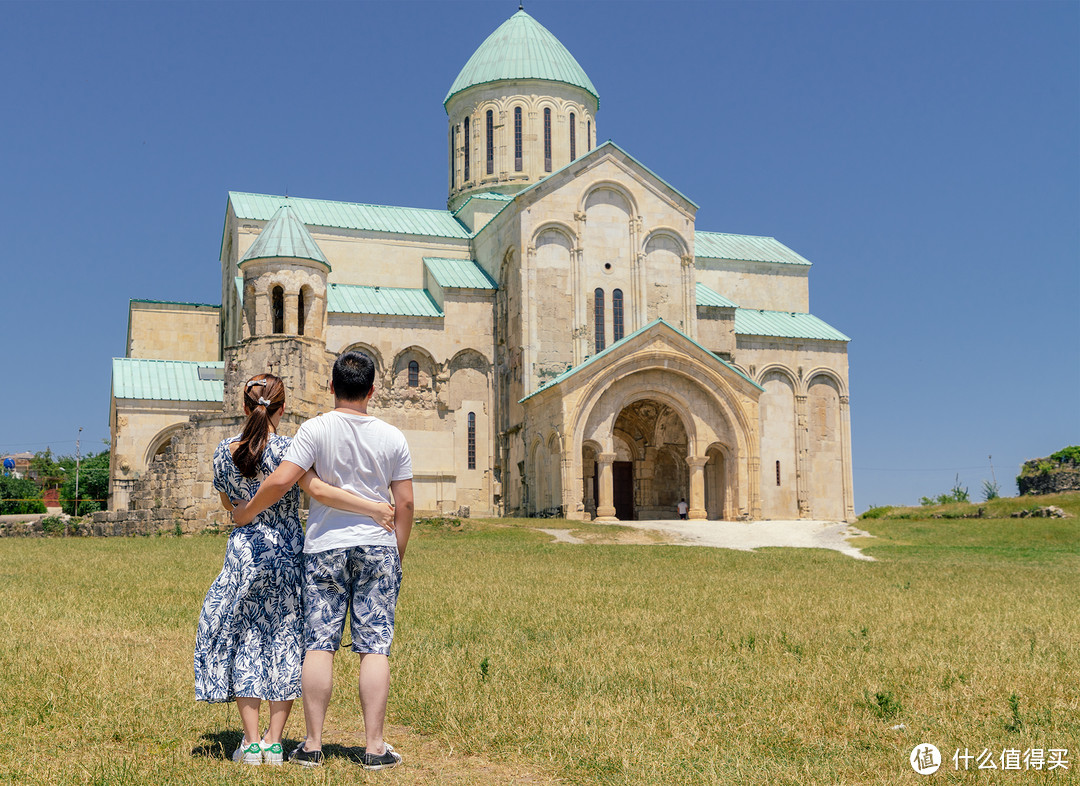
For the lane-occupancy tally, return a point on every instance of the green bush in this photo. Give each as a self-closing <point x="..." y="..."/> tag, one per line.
<point x="1069" y="455"/>
<point x="957" y="493"/>
<point x="19" y="495"/>
<point x="878" y="512"/>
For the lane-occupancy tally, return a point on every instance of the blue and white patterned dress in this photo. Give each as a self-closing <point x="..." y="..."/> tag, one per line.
<point x="250" y="636"/>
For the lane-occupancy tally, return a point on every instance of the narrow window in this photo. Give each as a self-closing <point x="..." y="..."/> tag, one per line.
<point x="490" y="142"/>
<point x="547" y="140"/>
<point x="598" y="317"/>
<point x="414" y="374"/>
<point x="453" y="156"/>
<point x="573" y="137"/>
<point x="465" y="176"/>
<point x="472" y="440"/>
<point x="300" y="313"/>
<point x="517" y="139"/>
<point x="588" y="136"/>
<point x="778" y="473"/>
<point x="277" y="305"/>
<point x="616" y="315"/>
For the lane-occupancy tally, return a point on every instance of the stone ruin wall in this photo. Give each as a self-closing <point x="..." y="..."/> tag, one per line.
<point x="1063" y="477"/>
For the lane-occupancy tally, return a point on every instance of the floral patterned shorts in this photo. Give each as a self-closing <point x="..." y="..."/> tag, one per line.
<point x="363" y="578"/>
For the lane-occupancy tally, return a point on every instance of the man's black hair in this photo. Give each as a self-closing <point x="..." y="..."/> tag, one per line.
<point x="354" y="376"/>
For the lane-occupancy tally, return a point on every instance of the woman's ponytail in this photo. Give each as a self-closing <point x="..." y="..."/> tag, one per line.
<point x="263" y="396"/>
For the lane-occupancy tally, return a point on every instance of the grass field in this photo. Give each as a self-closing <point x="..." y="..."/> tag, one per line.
<point x="519" y="660"/>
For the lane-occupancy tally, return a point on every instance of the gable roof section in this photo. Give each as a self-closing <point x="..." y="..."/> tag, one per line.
<point x="521" y="48"/>
<point x="784" y="324"/>
<point x="351" y="215"/>
<point x="389" y="301"/>
<point x="285" y="237"/>
<point x="748" y="248"/>
<point x="607" y="147"/>
<point x="622" y="342"/>
<point x="167" y="380"/>
<point x="710" y="297"/>
<point x="458" y="273"/>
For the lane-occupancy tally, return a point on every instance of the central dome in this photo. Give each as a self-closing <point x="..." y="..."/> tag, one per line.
<point x="521" y="48"/>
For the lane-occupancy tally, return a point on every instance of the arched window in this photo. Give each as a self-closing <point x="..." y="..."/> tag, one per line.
<point x="598" y="318"/>
<point x="616" y="315"/>
<point x="547" y="139"/>
<point x="277" y="309"/>
<point x="490" y="142"/>
<point x="453" y="153"/>
<point x="472" y="440"/>
<point x="517" y="139"/>
<point x="465" y="175"/>
<point x="414" y="374"/>
<point x="588" y="136"/>
<point x="573" y="136"/>
<point x="300" y="313"/>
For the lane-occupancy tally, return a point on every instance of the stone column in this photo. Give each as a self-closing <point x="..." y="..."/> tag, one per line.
<point x="697" y="487"/>
<point x="845" y="453"/>
<point x="605" y="511"/>
<point x="802" y="456"/>
<point x="689" y="297"/>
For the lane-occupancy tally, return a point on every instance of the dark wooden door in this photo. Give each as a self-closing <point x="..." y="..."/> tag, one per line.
<point x="623" y="490"/>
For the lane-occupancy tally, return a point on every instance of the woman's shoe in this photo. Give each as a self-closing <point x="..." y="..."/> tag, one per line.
<point x="271" y="753"/>
<point x="248" y="753"/>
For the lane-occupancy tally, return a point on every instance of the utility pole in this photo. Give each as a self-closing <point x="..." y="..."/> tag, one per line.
<point x="77" y="460"/>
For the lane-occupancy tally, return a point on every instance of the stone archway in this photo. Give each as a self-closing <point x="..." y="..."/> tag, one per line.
<point x="650" y="474"/>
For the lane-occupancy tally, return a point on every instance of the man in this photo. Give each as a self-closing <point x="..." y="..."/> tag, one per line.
<point x="348" y="559"/>
<point x="683" y="508"/>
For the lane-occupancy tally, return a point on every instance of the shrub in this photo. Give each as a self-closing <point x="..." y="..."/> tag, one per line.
<point x="957" y="493"/>
<point x="19" y="495"/>
<point x="1069" y="455"/>
<point x="877" y="513"/>
<point x="990" y="490"/>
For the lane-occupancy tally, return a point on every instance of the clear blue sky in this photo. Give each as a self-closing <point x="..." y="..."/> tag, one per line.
<point x="925" y="156"/>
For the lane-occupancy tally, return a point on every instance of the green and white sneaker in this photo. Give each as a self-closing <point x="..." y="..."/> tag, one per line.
<point x="271" y="753"/>
<point x="248" y="753"/>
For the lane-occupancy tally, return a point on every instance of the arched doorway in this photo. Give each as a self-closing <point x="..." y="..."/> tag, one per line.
<point x="715" y="484"/>
<point x="649" y="474"/>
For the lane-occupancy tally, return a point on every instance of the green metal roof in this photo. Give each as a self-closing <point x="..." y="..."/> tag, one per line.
<point x="459" y="273"/>
<point x="166" y="380"/>
<point x="350" y="215"/>
<point x="575" y="369"/>
<point x="392" y="301"/>
<point x="285" y="237"/>
<point x="784" y="324"/>
<point x="710" y="297"/>
<point x="521" y="48"/>
<point x="748" y="248"/>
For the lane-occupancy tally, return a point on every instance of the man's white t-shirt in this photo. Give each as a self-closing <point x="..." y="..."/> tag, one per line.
<point x="358" y="453"/>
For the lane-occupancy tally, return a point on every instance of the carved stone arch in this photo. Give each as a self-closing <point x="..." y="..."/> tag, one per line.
<point x="559" y="227"/>
<point x="371" y="352"/>
<point x="680" y="407"/>
<point x="469" y="358"/>
<point x="426" y="375"/>
<point x="160" y="442"/>
<point x="414" y="352"/>
<point x="554" y="442"/>
<point x="665" y="232"/>
<point x="777" y="368"/>
<point x="608" y="185"/>
<point x="635" y="451"/>
<point x="831" y="374"/>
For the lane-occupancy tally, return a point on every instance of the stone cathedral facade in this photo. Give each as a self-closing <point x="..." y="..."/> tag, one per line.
<point x="562" y="339"/>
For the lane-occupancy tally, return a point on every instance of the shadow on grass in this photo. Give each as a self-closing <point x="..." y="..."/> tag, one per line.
<point x="221" y="744"/>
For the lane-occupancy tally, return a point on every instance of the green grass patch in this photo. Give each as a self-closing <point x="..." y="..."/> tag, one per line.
<point x="786" y="666"/>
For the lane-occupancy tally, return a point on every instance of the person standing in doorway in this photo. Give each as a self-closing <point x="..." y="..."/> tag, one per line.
<point x="683" y="508"/>
<point x="349" y="560"/>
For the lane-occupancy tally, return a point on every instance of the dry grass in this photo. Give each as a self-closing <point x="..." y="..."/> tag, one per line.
<point x="519" y="660"/>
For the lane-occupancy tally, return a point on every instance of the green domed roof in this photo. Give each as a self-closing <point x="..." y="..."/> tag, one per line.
<point x="521" y="48"/>
<point x="285" y="237"/>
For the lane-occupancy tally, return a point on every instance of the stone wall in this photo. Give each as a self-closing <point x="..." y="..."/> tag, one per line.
<point x="1035" y="478"/>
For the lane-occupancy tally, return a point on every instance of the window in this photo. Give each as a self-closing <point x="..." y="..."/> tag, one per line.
<point x="588" y="136"/>
<point x="300" y="313"/>
<point x="598" y="317"/>
<point x="465" y="175"/>
<point x="616" y="315"/>
<point x="778" y="473"/>
<point x="547" y="140"/>
<point x="573" y="137"/>
<point x="517" y="139"/>
<point x="277" y="307"/>
<point x="414" y="374"/>
<point x="490" y="142"/>
<point x="472" y="440"/>
<point x="453" y="156"/>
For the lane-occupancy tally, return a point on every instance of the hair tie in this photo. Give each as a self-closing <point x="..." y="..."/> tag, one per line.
<point x="264" y="401"/>
<point x="253" y="382"/>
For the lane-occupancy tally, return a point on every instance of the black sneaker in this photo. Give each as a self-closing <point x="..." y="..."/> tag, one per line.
<point x="384" y="761"/>
<point x="306" y="758"/>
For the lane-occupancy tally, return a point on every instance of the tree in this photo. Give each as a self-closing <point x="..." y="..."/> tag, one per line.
<point x="93" y="475"/>
<point x="12" y="489"/>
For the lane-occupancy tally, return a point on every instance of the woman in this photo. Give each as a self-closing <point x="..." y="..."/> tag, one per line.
<point x="249" y="641"/>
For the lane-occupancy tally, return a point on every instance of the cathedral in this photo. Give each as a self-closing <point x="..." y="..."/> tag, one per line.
<point x="561" y="340"/>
